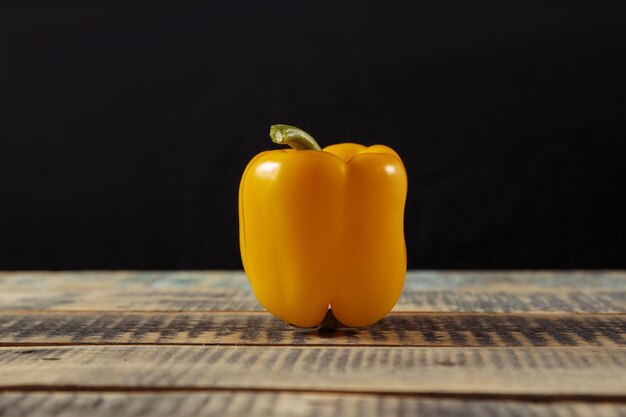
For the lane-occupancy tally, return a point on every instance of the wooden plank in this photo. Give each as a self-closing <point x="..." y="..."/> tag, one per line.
<point x="120" y="280"/>
<point x="229" y="403"/>
<point x="509" y="292"/>
<point x="219" y="299"/>
<point x="505" y="373"/>
<point x="416" y="280"/>
<point x="232" y="299"/>
<point x="517" y="280"/>
<point x="397" y="329"/>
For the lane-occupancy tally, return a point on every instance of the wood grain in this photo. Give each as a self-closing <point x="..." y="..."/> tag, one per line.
<point x="229" y="403"/>
<point x="494" y="292"/>
<point x="197" y="343"/>
<point x="415" y="280"/>
<point x="228" y="299"/>
<point x="397" y="329"/>
<point x="510" y="373"/>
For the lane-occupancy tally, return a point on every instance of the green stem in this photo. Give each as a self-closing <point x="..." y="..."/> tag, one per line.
<point x="294" y="137"/>
<point x="329" y="324"/>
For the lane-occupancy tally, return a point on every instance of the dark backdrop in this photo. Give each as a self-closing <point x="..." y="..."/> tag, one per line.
<point x="125" y="126"/>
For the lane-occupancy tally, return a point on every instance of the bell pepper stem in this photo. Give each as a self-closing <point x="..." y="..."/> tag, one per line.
<point x="294" y="137"/>
<point x="329" y="324"/>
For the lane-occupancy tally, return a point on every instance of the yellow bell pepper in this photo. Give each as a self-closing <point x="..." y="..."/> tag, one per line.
<point x="322" y="228"/>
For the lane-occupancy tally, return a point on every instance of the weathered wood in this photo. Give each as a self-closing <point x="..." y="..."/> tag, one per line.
<point x="509" y="373"/>
<point x="421" y="280"/>
<point x="418" y="280"/>
<point x="517" y="301"/>
<point x="397" y="329"/>
<point x="218" y="299"/>
<point x="198" y="343"/>
<point x="233" y="299"/>
<point x="226" y="403"/>
<point x="512" y="292"/>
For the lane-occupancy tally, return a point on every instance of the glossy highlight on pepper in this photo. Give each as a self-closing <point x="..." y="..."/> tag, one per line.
<point x="324" y="228"/>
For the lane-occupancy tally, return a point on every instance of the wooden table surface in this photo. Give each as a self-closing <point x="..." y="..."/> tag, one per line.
<point x="198" y="343"/>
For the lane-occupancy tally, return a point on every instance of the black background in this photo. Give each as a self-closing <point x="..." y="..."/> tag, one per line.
<point x="125" y="126"/>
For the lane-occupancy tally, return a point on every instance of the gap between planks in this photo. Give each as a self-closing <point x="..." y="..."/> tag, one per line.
<point x="264" y="312"/>
<point x="478" y="396"/>
<point x="249" y="345"/>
